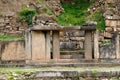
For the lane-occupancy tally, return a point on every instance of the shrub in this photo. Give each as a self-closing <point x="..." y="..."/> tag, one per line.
<point x="27" y="14"/>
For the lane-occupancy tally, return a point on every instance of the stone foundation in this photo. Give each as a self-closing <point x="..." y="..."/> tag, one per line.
<point x="68" y="75"/>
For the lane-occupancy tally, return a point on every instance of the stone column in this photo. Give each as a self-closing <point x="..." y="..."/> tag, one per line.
<point x="56" y="45"/>
<point x="47" y="47"/>
<point x="96" y="44"/>
<point x="28" y="45"/>
<point x="117" y="47"/>
<point x="88" y="45"/>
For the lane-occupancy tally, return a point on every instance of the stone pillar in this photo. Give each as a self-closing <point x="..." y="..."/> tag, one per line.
<point x="96" y="44"/>
<point x="88" y="45"/>
<point x="117" y="47"/>
<point x="38" y="46"/>
<point x="28" y="45"/>
<point x="47" y="47"/>
<point x="56" y="45"/>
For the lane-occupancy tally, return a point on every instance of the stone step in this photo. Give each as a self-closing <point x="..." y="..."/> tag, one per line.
<point x="63" y="65"/>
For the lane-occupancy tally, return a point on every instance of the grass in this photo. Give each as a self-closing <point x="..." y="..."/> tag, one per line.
<point x="93" y="69"/>
<point x="27" y="14"/>
<point x="98" y="17"/>
<point x="76" y="14"/>
<point x="9" y="38"/>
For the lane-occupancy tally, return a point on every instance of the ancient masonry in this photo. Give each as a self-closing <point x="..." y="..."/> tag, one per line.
<point x="9" y="21"/>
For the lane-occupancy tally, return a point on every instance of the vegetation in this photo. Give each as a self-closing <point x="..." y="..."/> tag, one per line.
<point x="76" y="14"/>
<point x="98" y="17"/>
<point x="8" y="38"/>
<point x="27" y="15"/>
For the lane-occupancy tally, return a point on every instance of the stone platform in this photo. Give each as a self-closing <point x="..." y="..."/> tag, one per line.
<point x="63" y="73"/>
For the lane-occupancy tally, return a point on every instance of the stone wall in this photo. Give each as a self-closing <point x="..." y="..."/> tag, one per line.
<point x="12" y="50"/>
<point x="9" y="24"/>
<point x="72" y="44"/>
<point x="9" y="19"/>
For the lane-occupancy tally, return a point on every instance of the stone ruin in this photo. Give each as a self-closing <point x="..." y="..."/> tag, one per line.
<point x="47" y="42"/>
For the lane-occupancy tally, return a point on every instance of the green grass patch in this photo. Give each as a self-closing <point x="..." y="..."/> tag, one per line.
<point x="76" y="14"/>
<point x="9" y="38"/>
<point x="98" y="17"/>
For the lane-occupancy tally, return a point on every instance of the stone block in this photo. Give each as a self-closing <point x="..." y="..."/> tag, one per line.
<point x="73" y="33"/>
<point x="110" y="1"/>
<point x="88" y="45"/>
<point x="76" y="38"/>
<point x="118" y="23"/>
<point x="107" y="51"/>
<point x="108" y="35"/>
<point x="68" y="45"/>
<point x="12" y="50"/>
<point x="65" y="56"/>
<point x="109" y="29"/>
<point x="111" y="23"/>
<point x="118" y="29"/>
<point x="2" y="20"/>
<point x="38" y="45"/>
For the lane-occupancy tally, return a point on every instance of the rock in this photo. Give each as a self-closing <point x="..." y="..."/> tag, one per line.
<point x="55" y="6"/>
<point x="2" y="20"/>
<point x="109" y="12"/>
<point x="68" y="45"/>
<point x="110" y="1"/>
<point x="107" y="35"/>
<point x="111" y="23"/>
<point x="109" y="29"/>
<point x="43" y="19"/>
<point x="107" y="51"/>
<point x="9" y="14"/>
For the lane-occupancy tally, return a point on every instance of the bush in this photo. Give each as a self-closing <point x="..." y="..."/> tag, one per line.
<point x="27" y="14"/>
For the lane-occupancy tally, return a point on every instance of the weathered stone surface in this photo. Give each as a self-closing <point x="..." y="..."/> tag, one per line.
<point x="72" y="45"/>
<point x="107" y="35"/>
<point x="88" y="45"/>
<point x="111" y="23"/>
<point x="75" y="33"/>
<point x="109" y="29"/>
<point x="65" y="56"/>
<point x="56" y="45"/>
<point x="96" y="44"/>
<point x="107" y="51"/>
<point x="68" y="45"/>
<point x="110" y="1"/>
<point x="38" y="45"/>
<point x="55" y="6"/>
<point x="12" y="50"/>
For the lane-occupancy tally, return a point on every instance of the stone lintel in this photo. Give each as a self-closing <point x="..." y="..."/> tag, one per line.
<point x="89" y="27"/>
<point x="63" y="28"/>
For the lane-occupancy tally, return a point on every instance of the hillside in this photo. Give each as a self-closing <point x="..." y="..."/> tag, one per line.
<point x="76" y="12"/>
